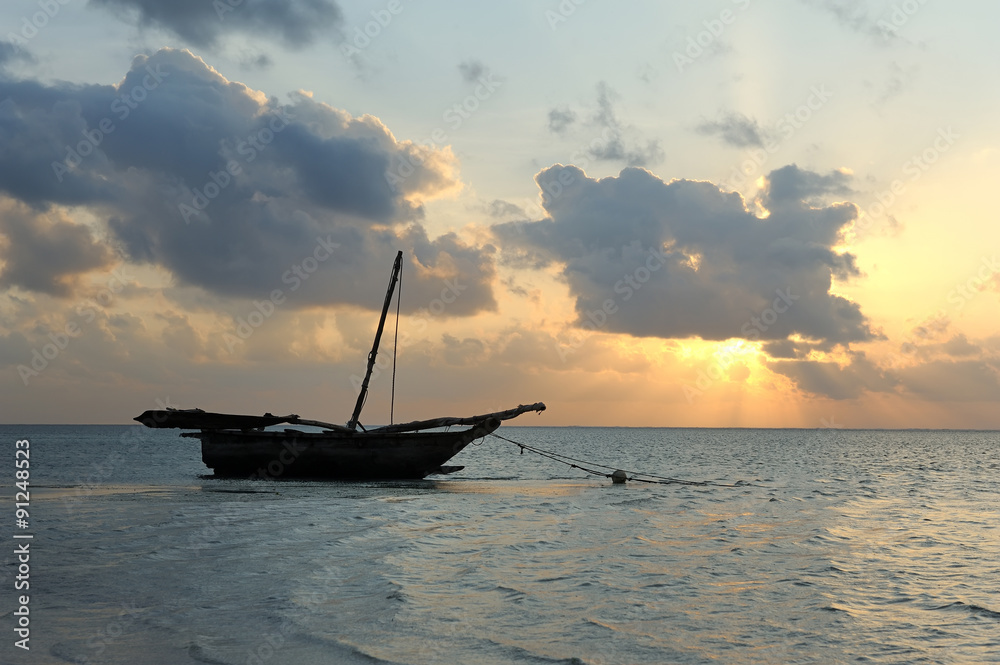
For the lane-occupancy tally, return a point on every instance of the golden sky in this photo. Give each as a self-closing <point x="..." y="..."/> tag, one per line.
<point x="723" y="214"/>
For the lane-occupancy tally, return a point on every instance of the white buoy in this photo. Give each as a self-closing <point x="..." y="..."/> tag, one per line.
<point x="619" y="477"/>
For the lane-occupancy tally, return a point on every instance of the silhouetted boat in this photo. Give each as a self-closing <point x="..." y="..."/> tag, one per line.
<point x="239" y="445"/>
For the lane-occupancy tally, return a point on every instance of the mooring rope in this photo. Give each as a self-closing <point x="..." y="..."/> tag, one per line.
<point x="575" y="463"/>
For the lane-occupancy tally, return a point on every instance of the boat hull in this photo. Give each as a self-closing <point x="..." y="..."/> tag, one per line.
<point x="348" y="456"/>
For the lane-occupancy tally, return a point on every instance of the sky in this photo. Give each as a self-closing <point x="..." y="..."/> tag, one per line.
<point x="731" y="213"/>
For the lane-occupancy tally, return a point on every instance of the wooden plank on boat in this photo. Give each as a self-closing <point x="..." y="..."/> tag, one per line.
<point x="448" y="422"/>
<point x="319" y="423"/>
<point x="198" y="419"/>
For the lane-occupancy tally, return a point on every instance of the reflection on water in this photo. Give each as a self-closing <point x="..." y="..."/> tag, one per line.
<point x="873" y="546"/>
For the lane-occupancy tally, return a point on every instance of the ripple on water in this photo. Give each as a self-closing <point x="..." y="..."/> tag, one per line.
<point x="857" y="546"/>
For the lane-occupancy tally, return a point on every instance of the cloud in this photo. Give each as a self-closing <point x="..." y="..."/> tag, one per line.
<point x="685" y="259"/>
<point x="795" y="188"/>
<point x="230" y="191"/>
<point x="296" y="23"/>
<point x="897" y="81"/>
<point x="935" y="367"/>
<point x="499" y="208"/>
<point x="11" y="52"/>
<point x="616" y="147"/>
<point x="560" y="120"/>
<point x="37" y="125"/>
<point x="252" y="61"/>
<point x="14" y="348"/>
<point x="948" y="380"/>
<point x="471" y="70"/>
<point x="782" y="348"/>
<point x="734" y="129"/>
<point x="47" y="252"/>
<point x="618" y="141"/>
<point x="854" y="16"/>
<point x="835" y="381"/>
<point x="959" y="346"/>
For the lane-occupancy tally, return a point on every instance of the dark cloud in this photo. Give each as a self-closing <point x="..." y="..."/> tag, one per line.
<point x="11" y="52"/>
<point x="948" y="380"/>
<point x="685" y="259"/>
<point x="734" y="129"/>
<point x="835" y="381"/>
<point x="296" y="23"/>
<point x="796" y="348"/>
<point x="782" y="348"/>
<point x="616" y="150"/>
<point x="935" y="368"/>
<point x="616" y="147"/>
<point x="230" y="190"/>
<point x="560" y="120"/>
<point x="46" y="253"/>
<point x="14" y="348"/>
<point x="615" y="141"/>
<point x="854" y="16"/>
<point x="932" y="327"/>
<point x="500" y="208"/>
<point x="797" y="188"/>
<point x="959" y="345"/>
<point x="896" y="82"/>
<point x="471" y="70"/>
<point x="258" y="61"/>
<point x="38" y="126"/>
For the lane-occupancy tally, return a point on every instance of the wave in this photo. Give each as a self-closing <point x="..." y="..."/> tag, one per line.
<point x="971" y="608"/>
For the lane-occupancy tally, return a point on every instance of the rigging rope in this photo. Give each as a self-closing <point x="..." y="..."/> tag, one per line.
<point x="633" y="475"/>
<point x="395" y="345"/>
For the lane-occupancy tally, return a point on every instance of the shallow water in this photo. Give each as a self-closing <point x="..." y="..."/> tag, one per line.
<point x="837" y="546"/>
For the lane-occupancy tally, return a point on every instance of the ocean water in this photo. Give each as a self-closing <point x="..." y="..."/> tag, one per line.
<point x="834" y="546"/>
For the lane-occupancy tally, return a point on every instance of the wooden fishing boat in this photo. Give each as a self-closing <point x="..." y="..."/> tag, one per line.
<point x="240" y="445"/>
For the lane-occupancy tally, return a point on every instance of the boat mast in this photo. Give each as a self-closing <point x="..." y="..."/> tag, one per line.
<point x="353" y="423"/>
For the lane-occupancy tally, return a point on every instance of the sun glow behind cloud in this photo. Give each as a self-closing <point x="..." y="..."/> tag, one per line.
<point x="515" y="279"/>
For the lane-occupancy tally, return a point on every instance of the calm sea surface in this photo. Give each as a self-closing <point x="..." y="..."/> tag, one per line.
<point x="837" y="546"/>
